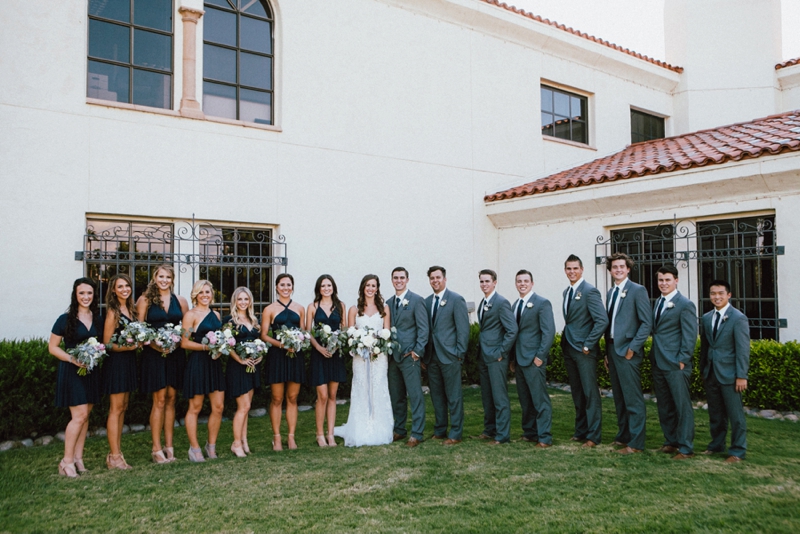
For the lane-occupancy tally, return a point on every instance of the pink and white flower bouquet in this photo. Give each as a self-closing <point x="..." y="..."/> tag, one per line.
<point x="220" y="342"/>
<point x="328" y="338"/>
<point x="90" y="353"/>
<point x="251" y="350"/>
<point x="294" y="340"/>
<point x="369" y="343"/>
<point x="168" y="337"/>
<point x="133" y="333"/>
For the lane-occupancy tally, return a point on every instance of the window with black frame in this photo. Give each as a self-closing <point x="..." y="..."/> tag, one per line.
<point x="130" y="52"/>
<point x="645" y="127"/>
<point x="238" y="60"/>
<point x="650" y="248"/>
<point x="564" y="115"/>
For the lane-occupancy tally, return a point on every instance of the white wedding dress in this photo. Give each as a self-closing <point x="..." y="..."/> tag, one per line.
<point x="370" y="421"/>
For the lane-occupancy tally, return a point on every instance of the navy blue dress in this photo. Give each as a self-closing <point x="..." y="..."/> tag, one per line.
<point x="119" y="368"/>
<point x="72" y="389"/>
<point x="280" y="367"/>
<point x="158" y="370"/>
<point x="203" y="375"/>
<point x="324" y="370"/>
<point x="237" y="380"/>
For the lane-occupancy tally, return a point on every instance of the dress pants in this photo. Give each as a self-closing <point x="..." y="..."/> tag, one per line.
<point x="405" y="383"/>
<point x="537" y="412"/>
<point x="444" y="381"/>
<point x="724" y="405"/>
<point x="494" y="394"/>
<point x="582" y="373"/>
<point x="626" y="383"/>
<point x="674" y="403"/>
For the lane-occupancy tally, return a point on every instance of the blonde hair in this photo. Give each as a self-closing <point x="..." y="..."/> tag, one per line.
<point x="153" y="294"/>
<point x="198" y="287"/>
<point x="235" y="310"/>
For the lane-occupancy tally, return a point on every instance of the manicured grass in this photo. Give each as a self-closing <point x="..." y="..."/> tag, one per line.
<point x="471" y="487"/>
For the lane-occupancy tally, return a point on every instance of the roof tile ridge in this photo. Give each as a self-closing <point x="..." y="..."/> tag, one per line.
<point x="788" y="63"/>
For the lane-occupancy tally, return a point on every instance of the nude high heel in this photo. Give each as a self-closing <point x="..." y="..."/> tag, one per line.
<point x="245" y="447"/>
<point x="67" y="470"/>
<point x="117" y="461"/>
<point x="331" y="441"/>
<point x="196" y="455"/>
<point x="292" y="444"/>
<point x="238" y="451"/>
<point x="159" y="458"/>
<point x="321" y="441"/>
<point x="276" y="443"/>
<point x="211" y="451"/>
<point x="79" y="467"/>
<point x="169" y="453"/>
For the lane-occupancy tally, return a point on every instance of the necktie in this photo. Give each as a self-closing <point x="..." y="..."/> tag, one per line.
<point x="716" y="324"/>
<point x="480" y="310"/>
<point x="435" y="310"/>
<point x="397" y="303"/>
<point x="613" y="303"/>
<point x="660" y="307"/>
<point x="519" y="310"/>
<point x="569" y="299"/>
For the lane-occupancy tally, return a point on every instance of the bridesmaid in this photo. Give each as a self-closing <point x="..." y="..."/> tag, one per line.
<point x="327" y="369"/>
<point x="162" y="373"/>
<point x="119" y="369"/>
<point x="78" y="393"/>
<point x="240" y="383"/>
<point x="285" y="371"/>
<point x="204" y="375"/>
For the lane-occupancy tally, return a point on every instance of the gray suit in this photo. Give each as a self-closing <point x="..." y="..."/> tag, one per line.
<point x="498" y="330"/>
<point x="674" y="339"/>
<point x="585" y="321"/>
<point x="405" y="382"/>
<point x="722" y="360"/>
<point x="632" y="323"/>
<point x="537" y="329"/>
<point x="447" y="347"/>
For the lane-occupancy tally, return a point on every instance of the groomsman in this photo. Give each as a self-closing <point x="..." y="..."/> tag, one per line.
<point x="498" y="331"/>
<point x="447" y="347"/>
<point x="530" y="353"/>
<point x="409" y="317"/>
<point x="630" y="322"/>
<point x="724" y="362"/>
<point x="674" y="339"/>
<point x="585" y="321"/>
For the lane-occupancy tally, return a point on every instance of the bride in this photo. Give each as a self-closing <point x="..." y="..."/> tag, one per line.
<point x="370" y="421"/>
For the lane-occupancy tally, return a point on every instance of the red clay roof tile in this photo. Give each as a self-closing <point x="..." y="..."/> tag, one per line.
<point x="791" y="62"/>
<point x="761" y="137"/>
<point x="597" y="40"/>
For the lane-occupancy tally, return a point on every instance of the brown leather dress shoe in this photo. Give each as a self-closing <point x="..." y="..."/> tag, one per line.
<point x="627" y="450"/>
<point x="397" y="437"/>
<point x="529" y="440"/>
<point x="589" y="444"/>
<point x="449" y="441"/>
<point x="544" y="445"/>
<point x="733" y="460"/>
<point x="668" y="449"/>
<point x="436" y="436"/>
<point x="681" y="456"/>
<point x="412" y="442"/>
<point x="619" y="444"/>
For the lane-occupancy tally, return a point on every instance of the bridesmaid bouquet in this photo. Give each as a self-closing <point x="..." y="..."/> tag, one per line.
<point x="133" y="333"/>
<point x="220" y="341"/>
<point x="294" y="340"/>
<point x="328" y="337"/>
<point x="369" y="343"/>
<point x="167" y="337"/>
<point x="90" y="353"/>
<point x="251" y="350"/>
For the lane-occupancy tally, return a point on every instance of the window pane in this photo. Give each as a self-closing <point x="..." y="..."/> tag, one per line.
<point x="547" y="99"/>
<point x="111" y="9"/>
<point x="219" y="100"/>
<point x="579" y="132"/>
<point x="255" y="35"/>
<point x="108" y="82"/>
<point x="561" y="104"/>
<point x="109" y="41"/>
<point x="254" y="7"/>
<point x="254" y="106"/>
<point x="219" y="27"/>
<point x="223" y="3"/>
<point x="255" y="71"/>
<point x="152" y="50"/>
<point x="151" y="89"/>
<point x="547" y="124"/>
<point x="219" y="63"/>
<point x="562" y="128"/>
<point x="577" y="110"/>
<point x="155" y="14"/>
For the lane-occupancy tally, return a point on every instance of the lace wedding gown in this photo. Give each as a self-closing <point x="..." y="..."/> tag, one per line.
<point x="370" y="421"/>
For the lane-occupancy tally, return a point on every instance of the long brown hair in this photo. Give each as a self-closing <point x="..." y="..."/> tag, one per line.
<point x="336" y="304"/>
<point x="153" y="295"/>
<point x="112" y="301"/>
<point x="72" y="311"/>
<point x="362" y="299"/>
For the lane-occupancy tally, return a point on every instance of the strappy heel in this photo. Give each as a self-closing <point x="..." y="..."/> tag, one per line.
<point x="331" y="441"/>
<point x="245" y="448"/>
<point x="196" y="455"/>
<point x="159" y="457"/>
<point x="321" y="441"/>
<point x="276" y="443"/>
<point x="117" y="461"/>
<point x="292" y="444"/>
<point x="169" y="453"/>
<point x="79" y="467"/>
<point x="211" y="450"/>
<point x="67" y="470"/>
<point x="238" y="451"/>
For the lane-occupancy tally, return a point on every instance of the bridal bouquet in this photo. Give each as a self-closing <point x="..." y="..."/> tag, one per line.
<point x="90" y="353"/>
<point x="371" y="343"/>
<point x="167" y="337"/>
<point x="220" y="341"/>
<point x="294" y="340"/>
<point x="251" y="350"/>
<point x="328" y="337"/>
<point x="133" y="333"/>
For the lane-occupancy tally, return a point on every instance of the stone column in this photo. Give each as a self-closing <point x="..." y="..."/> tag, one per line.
<point x="190" y="107"/>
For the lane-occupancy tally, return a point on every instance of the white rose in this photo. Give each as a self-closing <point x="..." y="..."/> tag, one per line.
<point x="92" y="341"/>
<point x="368" y="341"/>
<point x="376" y="350"/>
<point x="385" y="334"/>
<point x="351" y="331"/>
<point x="177" y="328"/>
<point x="140" y="337"/>
<point x="326" y="329"/>
<point x="227" y="332"/>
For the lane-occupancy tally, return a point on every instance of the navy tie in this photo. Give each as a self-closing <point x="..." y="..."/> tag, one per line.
<point x="660" y="308"/>
<point x="613" y="303"/>
<point x="397" y="303"/>
<point x="435" y="310"/>
<point x="716" y="325"/>
<point x="569" y="299"/>
<point x="519" y="311"/>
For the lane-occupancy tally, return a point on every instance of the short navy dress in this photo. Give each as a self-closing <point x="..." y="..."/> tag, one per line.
<point x="203" y="374"/>
<point x="324" y="370"/>
<point x="238" y="381"/>
<point x="280" y="367"/>
<point x="159" y="370"/>
<point x="71" y="388"/>
<point x="119" y="368"/>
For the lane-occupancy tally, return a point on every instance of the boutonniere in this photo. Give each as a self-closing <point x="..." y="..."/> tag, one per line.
<point x="670" y="305"/>
<point x="624" y="292"/>
<point x="578" y="296"/>
<point x="404" y="303"/>
<point x="529" y="305"/>
<point x="724" y="318"/>
<point x="442" y="303"/>
<point x="486" y="307"/>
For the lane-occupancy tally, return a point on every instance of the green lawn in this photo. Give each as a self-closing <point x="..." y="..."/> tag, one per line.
<point x="471" y="487"/>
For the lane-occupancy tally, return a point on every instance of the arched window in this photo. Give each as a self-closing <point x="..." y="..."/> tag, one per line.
<point x="130" y="51"/>
<point x="237" y="60"/>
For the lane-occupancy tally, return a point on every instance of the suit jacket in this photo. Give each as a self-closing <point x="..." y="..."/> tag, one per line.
<point x="411" y="322"/>
<point x="587" y="318"/>
<point x="537" y="328"/>
<point x="675" y="334"/>
<point x="449" y="335"/>
<point x="634" y="319"/>
<point x="498" y="329"/>
<point x="729" y="353"/>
